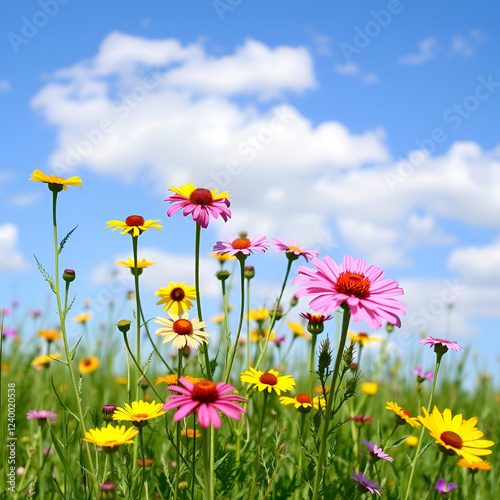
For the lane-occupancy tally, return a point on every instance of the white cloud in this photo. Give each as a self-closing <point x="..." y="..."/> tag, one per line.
<point x="322" y="43"/>
<point x="427" y="48"/>
<point x="370" y="78"/>
<point x="349" y="68"/>
<point x="25" y="199"/>
<point x="466" y="45"/>
<point x="5" y="86"/>
<point x="11" y="258"/>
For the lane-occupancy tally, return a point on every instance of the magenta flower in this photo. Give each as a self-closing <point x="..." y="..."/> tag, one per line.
<point x="421" y="375"/>
<point x="9" y="332"/>
<point x="241" y="246"/>
<point x="42" y="416"/>
<point x="293" y="251"/>
<point x="366" y="485"/>
<point x="362" y="288"/>
<point x="204" y="398"/>
<point x="376" y="453"/>
<point x="443" y="489"/>
<point x="444" y="344"/>
<point x="361" y="420"/>
<point x="201" y="203"/>
<point x="4" y="311"/>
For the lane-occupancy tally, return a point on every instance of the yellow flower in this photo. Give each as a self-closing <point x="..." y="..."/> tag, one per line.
<point x="456" y="434"/>
<point x="88" y="365"/>
<point x="56" y="182"/>
<point x="256" y="335"/>
<point x="41" y="361"/>
<point x="369" y="388"/>
<point x="50" y="335"/>
<point x="82" y="317"/>
<point x="218" y="319"/>
<point x="141" y="263"/>
<point x="269" y="380"/>
<point x="182" y="331"/>
<point x="402" y="416"/>
<point x="361" y="338"/>
<point x="177" y="297"/>
<point x="260" y="314"/>
<point x="172" y="379"/>
<point x="190" y="433"/>
<point x="139" y="412"/>
<point x="412" y="441"/>
<point x="222" y="258"/>
<point x="110" y="437"/>
<point x="121" y="380"/>
<point x="298" y="330"/>
<point x="474" y="466"/>
<point x="134" y="223"/>
<point x="302" y="402"/>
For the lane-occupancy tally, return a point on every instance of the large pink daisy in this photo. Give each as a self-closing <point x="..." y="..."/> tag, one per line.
<point x="243" y="245"/>
<point x="362" y="288"/>
<point x="201" y="203"/>
<point x="204" y="398"/>
<point x="293" y="250"/>
<point x="449" y="344"/>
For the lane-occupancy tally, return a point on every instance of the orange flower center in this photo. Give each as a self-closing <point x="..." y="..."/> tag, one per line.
<point x="303" y="398"/>
<point x="353" y="284"/>
<point x="294" y="249"/>
<point x="87" y="362"/>
<point x="363" y="335"/>
<point x="405" y="412"/>
<point x="205" y="392"/>
<point x="452" y="439"/>
<point x="201" y="196"/>
<point x="177" y="294"/>
<point x="268" y="379"/>
<point x="134" y="220"/>
<point x="110" y="443"/>
<point x="141" y="415"/>
<point x="240" y="243"/>
<point x="182" y="327"/>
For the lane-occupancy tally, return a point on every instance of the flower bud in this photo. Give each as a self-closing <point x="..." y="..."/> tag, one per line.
<point x="222" y="275"/>
<point x="69" y="275"/>
<point x="107" y="412"/>
<point x="107" y="491"/>
<point x="249" y="272"/>
<point x="389" y="328"/>
<point x="123" y="325"/>
<point x="294" y="301"/>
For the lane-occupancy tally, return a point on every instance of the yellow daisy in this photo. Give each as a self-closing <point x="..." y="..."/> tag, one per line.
<point x="41" y="361"/>
<point x="141" y="263"/>
<point x="369" y="388"/>
<point x="222" y="258"/>
<point x="456" y="434"/>
<point x="121" y="380"/>
<point x="83" y="317"/>
<point x="88" y="365"/>
<point x="361" y="338"/>
<point x="302" y="402"/>
<point x="177" y="297"/>
<point x="110" y="437"/>
<point x="50" y="335"/>
<point x="182" y="331"/>
<point x="134" y="223"/>
<point x="484" y="465"/>
<point x="402" y="416"/>
<point x="259" y="314"/>
<point x="269" y="380"/>
<point x="54" y="182"/>
<point x="258" y="335"/>
<point x="172" y="379"/>
<point x="298" y="330"/>
<point x="139" y="412"/>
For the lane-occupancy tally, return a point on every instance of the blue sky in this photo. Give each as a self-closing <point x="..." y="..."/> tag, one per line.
<point x="367" y="128"/>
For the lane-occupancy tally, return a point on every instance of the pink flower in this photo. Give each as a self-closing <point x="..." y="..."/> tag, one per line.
<point x="443" y="489"/>
<point x="365" y="484"/>
<point x="362" y="288"/>
<point x="448" y="344"/>
<point x="293" y="251"/>
<point x="376" y="453"/>
<point x="242" y="245"/>
<point x="9" y="332"/>
<point x="41" y="416"/>
<point x="421" y="375"/>
<point x="201" y="203"/>
<point x="204" y="398"/>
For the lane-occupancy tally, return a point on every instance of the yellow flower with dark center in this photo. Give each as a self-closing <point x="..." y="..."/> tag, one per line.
<point x="41" y="361"/>
<point x="403" y="415"/>
<point x="369" y="388"/>
<point x="173" y="379"/>
<point x="182" y="331"/>
<point x="134" y="224"/>
<point x="139" y="412"/>
<point x="83" y="317"/>
<point x="298" y="330"/>
<point x="55" y="181"/>
<point x="177" y="296"/>
<point x="456" y="435"/>
<point x="259" y="314"/>
<point x="484" y="465"/>
<point x="110" y="437"/>
<point x="50" y="335"/>
<point x="88" y="365"/>
<point x="268" y="381"/>
<point x="361" y="338"/>
<point x="302" y="402"/>
<point x="141" y="263"/>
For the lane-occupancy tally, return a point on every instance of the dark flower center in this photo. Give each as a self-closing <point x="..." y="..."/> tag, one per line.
<point x="201" y="196"/>
<point x="268" y="379"/>
<point x="353" y="284"/>
<point x="182" y="327"/>
<point x="452" y="439"/>
<point x="240" y="243"/>
<point x="141" y="415"/>
<point x="134" y="220"/>
<point x="87" y="362"/>
<point x="303" y="398"/>
<point x="205" y="392"/>
<point x="363" y="335"/>
<point x="406" y="412"/>
<point x="177" y="294"/>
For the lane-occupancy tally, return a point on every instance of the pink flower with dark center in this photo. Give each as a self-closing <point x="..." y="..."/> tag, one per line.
<point x="366" y="485"/>
<point x="362" y="288"/>
<point x="241" y="245"/>
<point x="376" y="453"/>
<point x="293" y="251"/>
<point x="200" y="203"/>
<point x="448" y="344"/>
<point x="204" y="398"/>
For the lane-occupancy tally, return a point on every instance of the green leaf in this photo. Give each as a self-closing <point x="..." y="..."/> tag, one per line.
<point x="73" y="352"/>
<point x="398" y="442"/>
<point x="66" y="311"/>
<point x="59" y="399"/>
<point x="49" y="280"/>
<point x="59" y="450"/>
<point x="65" y="239"/>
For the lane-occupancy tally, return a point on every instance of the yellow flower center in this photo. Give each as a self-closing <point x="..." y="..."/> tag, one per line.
<point x="241" y="243"/>
<point x="141" y="415"/>
<point x="182" y="327"/>
<point x="177" y="294"/>
<point x="303" y="398"/>
<point x="110" y="443"/>
<point x="134" y="220"/>
<point x="201" y="196"/>
<point x="452" y="439"/>
<point x="294" y="249"/>
<point x="268" y="379"/>
<point x="205" y="392"/>
<point x="353" y="284"/>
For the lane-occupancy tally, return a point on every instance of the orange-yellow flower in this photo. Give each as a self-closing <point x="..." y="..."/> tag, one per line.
<point x="54" y="182"/>
<point x="88" y="365"/>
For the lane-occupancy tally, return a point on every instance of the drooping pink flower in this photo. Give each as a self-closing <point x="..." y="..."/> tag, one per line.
<point x="292" y="250"/>
<point x="376" y="453"/>
<point x="204" y="398"/>
<point x="362" y="288"/>
<point x="449" y="344"/>
<point x="365" y="484"/>
<point x="201" y="203"/>
<point x="241" y="245"/>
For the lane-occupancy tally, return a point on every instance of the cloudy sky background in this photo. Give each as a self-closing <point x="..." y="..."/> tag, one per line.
<point x="368" y="129"/>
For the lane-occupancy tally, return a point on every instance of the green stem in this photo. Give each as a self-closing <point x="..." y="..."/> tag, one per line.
<point x="322" y="448"/>
<point x="198" y="301"/>
<point x="259" y="439"/>
<point x="311" y="367"/>
<point x="143" y="483"/>
<point x="112" y="465"/>
<point x="193" y="473"/>
<point x="178" y="433"/>
<point x="301" y="432"/>
<point x="153" y="344"/>
<point x="438" y="473"/>
<point x="138" y="315"/>
<point x="248" y="324"/>
<point x="209" y="492"/>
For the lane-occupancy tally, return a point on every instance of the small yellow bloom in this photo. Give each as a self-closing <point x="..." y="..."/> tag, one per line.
<point x="176" y="297"/>
<point x="302" y="402"/>
<point x="83" y="317"/>
<point x="50" y="335"/>
<point x="5" y="367"/>
<point x="41" y="361"/>
<point x="135" y="224"/>
<point x="412" y="441"/>
<point x="172" y="379"/>
<point x="369" y="388"/>
<point x="110" y="437"/>
<point x="298" y="330"/>
<point x="141" y="263"/>
<point x="190" y="433"/>
<point x="222" y="258"/>
<point x="256" y="335"/>
<point x="269" y="380"/>
<point x="218" y="319"/>
<point x="361" y="338"/>
<point x="139" y="412"/>
<point x="52" y="180"/>
<point x="402" y="416"/>
<point x="88" y="365"/>
<point x="260" y="314"/>
<point x="475" y="465"/>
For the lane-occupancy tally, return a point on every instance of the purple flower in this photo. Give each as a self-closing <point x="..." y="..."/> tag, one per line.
<point x="443" y="489"/>
<point x="293" y="251"/>
<point x="376" y="452"/>
<point x="421" y="375"/>
<point x="279" y="340"/>
<point x="42" y="416"/>
<point x="441" y="344"/>
<point x="9" y="332"/>
<point x="241" y="246"/>
<point x="365" y="484"/>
